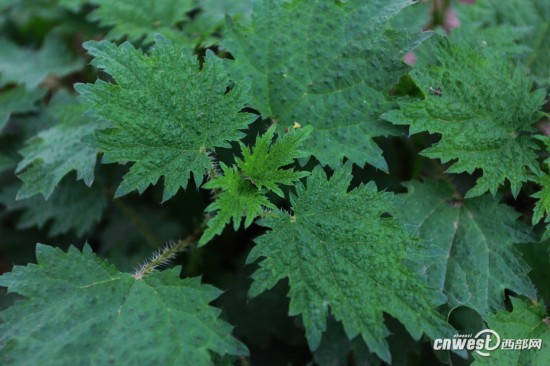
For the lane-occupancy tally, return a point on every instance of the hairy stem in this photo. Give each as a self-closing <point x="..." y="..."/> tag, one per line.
<point x="163" y="257"/>
<point x="215" y="170"/>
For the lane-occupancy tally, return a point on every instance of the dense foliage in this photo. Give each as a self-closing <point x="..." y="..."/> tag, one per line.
<point x="273" y="182"/>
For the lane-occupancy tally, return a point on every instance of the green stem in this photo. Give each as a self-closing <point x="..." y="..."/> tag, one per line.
<point x="164" y="256"/>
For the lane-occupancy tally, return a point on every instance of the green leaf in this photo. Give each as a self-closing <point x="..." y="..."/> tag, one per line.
<point x="538" y="258"/>
<point x="75" y="5"/>
<point x="21" y="128"/>
<point x="243" y="188"/>
<point x="542" y="207"/>
<point x="325" y="64"/>
<point x="81" y="310"/>
<point x="335" y="348"/>
<point x="6" y="4"/>
<point x="137" y="19"/>
<point x="340" y="252"/>
<point x="484" y="110"/>
<point x="475" y="29"/>
<point x="413" y="18"/>
<point x="264" y="164"/>
<point x="526" y="321"/>
<point x="210" y="21"/>
<point x="25" y="13"/>
<point x="55" y="152"/>
<point x="18" y="100"/>
<point x="477" y="259"/>
<point x="534" y="14"/>
<point x="6" y="163"/>
<point x="532" y="18"/>
<point x="262" y="319"/>
<point x="30" y="67"/>
<point x="165" y="111"/>
<point x="72" y="206"/>
<point x="239" y="200"/>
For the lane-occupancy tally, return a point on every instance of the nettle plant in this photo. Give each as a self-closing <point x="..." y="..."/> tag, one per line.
<point x="351" y="207"/>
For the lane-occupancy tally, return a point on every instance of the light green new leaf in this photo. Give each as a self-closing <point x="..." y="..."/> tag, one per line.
<point x="483" y="110"/>
<point x="72" y="206"/>
<point x="340" y="253"/>
<point x="80" y="310"/>
<point x="137" y="19"/>
<point x="477" y="259"/>
<point x="239" y="200"/>
<point x="526" y="321"/>
<point x="542" y="206"/>
<point x="244" y="187"/>
<point x="30" y="67"/>
<point x="165" y="111"/>
<point x="55" y="152"/>
<point x="18" y="100"/>
<point x="264" y="164"/>
<point x="327" y="64"/>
